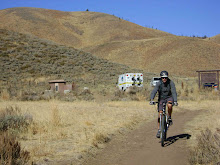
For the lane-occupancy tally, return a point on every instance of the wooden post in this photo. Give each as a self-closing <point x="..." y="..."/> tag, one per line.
<point x="199" y="79"/>
<point x="218" y="79"/>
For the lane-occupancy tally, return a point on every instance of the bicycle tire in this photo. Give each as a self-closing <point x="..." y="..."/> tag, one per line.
<point x="163" y="130"/>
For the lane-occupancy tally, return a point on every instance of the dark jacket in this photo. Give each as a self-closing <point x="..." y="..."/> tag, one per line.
<point x="165" y="90"/>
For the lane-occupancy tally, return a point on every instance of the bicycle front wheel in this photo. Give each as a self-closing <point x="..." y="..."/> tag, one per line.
<point x="163" y="130"/>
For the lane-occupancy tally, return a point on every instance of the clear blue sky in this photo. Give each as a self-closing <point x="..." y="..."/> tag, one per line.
<point x="179" y="17"/>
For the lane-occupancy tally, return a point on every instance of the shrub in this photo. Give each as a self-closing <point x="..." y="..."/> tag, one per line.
<point x="207" y="150"/>
<point x="118" y="95"/>
<point x="86" y="94"/>
<point x="5" y="95"/>
<point x="133" y="93"/>
<point x="10" y="118"/>
<point x="11" y="152"/>
<point x="29" y="96"/>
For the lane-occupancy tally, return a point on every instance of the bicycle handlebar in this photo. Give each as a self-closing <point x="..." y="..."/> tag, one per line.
<point x="156" y="102"/>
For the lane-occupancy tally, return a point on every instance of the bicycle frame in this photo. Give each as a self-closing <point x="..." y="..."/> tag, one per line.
<point x="165" y="114"/>
<point x="164" y="124"/>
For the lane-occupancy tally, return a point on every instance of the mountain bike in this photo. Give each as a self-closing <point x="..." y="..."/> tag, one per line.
<point x="164" y="124"/>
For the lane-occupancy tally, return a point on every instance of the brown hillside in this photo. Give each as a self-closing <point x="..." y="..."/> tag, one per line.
<point x="77" y="29"/>
<point x="24" y="57"/>
<point x="179" y="55"/>
<point x="215" y="39"/>
<point x="116" y="40"/>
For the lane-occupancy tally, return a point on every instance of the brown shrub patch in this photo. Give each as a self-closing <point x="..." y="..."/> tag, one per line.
<point x="207" y="150"/>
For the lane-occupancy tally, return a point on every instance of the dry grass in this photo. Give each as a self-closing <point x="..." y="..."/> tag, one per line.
<point x="5" y="95"/>
<point x="208" y="118"/>
<point x="11" y="152"/>
<point x="77" y="29"/>
<point x="117" y="40"/>
<point x="215" y="39"/>
<point x="12" y="123"/>
<point x="207" y="150"/>
<point x="72" y="130"/>
<point x="63" y="130"/>
<point x="204" y="143"/>
<point x="180" y="53"/>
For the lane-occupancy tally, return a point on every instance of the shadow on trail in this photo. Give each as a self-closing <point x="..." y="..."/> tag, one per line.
<point x="173" y="139"/>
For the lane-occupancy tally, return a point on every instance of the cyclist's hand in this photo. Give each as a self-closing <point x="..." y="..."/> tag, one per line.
<point x="152" y="103"/>
<point x="175" y="103"/>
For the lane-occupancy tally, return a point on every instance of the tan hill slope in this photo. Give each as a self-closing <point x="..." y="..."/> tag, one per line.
<point x="116" y="40"/>
<point x="76" y="29"/>
<point x="181" y="56"/>
<point x="215" y="39"/>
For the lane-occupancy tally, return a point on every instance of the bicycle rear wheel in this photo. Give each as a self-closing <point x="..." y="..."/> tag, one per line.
<point x="163" y="130"/>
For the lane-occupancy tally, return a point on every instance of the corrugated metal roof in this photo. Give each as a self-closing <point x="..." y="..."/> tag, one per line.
<point x="57" y="81"/>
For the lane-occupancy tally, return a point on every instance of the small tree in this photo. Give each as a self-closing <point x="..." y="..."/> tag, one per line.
<point x="87" y="9"/>
<point x="204" y="37"/>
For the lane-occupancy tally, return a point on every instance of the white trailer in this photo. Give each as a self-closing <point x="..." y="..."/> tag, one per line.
<point x="130" y="79"/>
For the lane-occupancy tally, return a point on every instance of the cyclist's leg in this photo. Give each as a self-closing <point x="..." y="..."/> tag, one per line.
<point x="170" y="109"/>
<point x="158" y="131"/>
<point x="160" y="112"/>
<point x="170" y="106"/>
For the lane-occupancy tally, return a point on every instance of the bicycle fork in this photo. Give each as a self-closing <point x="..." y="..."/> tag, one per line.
<point x="166" y="124"/>
<point x="160" y="121"/>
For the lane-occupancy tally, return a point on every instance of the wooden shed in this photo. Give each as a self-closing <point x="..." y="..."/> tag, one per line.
<point x="60" y="86"/>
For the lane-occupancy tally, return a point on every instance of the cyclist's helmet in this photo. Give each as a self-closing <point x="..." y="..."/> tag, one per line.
<point x="164" y="74"/>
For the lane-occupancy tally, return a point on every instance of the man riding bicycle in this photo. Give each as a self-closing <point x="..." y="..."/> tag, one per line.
<point x="167" y="93"/>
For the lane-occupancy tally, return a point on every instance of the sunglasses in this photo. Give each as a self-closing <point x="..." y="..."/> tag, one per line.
<point x="164" y="77"/>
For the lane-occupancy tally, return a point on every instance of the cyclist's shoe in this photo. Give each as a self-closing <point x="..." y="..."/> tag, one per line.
<point x="158" y="134"/>
<point x="170" y="121"/>
<point x="175" y="103"/>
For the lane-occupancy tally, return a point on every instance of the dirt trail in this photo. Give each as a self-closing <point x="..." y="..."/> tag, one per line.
<point x="141" y="147"/>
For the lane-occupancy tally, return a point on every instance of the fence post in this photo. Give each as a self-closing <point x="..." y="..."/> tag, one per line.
<point x="218" y="79"/>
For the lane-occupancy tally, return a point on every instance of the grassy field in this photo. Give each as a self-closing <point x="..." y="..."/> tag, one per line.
<point x="62" y="129"/>
<point x="70" y="131"/>
<point x="204" y="143"/>
<point x="208" y="118"/>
